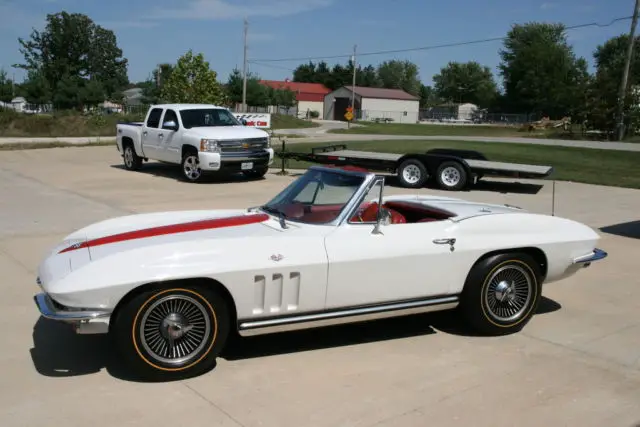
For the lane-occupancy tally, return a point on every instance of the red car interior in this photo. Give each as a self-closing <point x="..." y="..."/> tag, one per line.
<point x="402" y="212"/>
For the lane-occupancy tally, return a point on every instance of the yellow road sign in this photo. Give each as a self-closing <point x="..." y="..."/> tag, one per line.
<point x="348" y="115"/>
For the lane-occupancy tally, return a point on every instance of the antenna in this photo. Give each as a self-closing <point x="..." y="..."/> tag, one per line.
<point x="553" y="198"/>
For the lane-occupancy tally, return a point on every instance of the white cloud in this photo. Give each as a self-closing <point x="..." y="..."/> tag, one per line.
<point x="234" y="9"/>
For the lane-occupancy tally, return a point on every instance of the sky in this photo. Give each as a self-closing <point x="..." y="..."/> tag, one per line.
<point x="156" y="31"/>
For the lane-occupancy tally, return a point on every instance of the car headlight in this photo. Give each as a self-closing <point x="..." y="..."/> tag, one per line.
<point x="269" y="141"/>
<point x="210" y="145"/>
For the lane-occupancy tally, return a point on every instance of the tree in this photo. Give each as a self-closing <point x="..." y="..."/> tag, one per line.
<point x="466" y="82"/>
<point x="400" y="75"/>
<point x="151" y="88"/>
<point x="541" y="73"/>
<point x="257" y="93"/>
<point x="73" y="52"/>
<point x="602" y="96"/>
<point x="192" y="81"/>
<point x="6" y="87"/>
<point x="428" y="97"/>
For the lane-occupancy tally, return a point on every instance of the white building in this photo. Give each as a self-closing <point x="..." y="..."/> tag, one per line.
<point x="394" y="105"/>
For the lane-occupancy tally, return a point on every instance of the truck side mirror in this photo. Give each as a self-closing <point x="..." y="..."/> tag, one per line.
<point x="170" y="125"/>
<point x="243" y="121"/>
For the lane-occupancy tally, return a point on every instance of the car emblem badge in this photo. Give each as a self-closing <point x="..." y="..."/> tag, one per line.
<point x="277" y="257"/>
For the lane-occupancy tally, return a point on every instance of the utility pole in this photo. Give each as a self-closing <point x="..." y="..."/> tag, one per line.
<point x="353" y="85"/>
<point x="625" y="75"/>
<point x="244" y="68"/>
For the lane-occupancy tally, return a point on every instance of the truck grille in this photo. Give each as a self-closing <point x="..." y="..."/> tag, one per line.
<point x="243" y="145"/>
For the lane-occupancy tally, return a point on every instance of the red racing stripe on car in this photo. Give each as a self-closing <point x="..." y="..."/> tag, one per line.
<point x="207" y="224"/>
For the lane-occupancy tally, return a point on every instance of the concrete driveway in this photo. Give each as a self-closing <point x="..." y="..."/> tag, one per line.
<point x="576" y="364"/>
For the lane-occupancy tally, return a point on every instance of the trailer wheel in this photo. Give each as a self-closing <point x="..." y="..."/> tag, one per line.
<point x="451" y="176"/>
<point x="412" y="173"/>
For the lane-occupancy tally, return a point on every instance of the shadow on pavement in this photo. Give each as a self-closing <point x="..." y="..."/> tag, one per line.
<point x="59" y="352"/>
<point x="328" y="337"/>
<point x="626" y="229"/>
<point x="162" y="170"/>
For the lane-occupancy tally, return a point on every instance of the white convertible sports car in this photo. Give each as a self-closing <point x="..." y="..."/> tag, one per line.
<point x="170" y="287"/>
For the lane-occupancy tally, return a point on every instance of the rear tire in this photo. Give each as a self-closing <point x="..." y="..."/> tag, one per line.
<point x="501" y="293"/>
<point x="131" y="159"/>
<point x="195" y="320"/>
<point x="451" y="176"/>
<point x="412" y="173"/>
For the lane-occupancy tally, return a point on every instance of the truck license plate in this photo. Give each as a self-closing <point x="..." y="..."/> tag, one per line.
<point x="246" y="165"/>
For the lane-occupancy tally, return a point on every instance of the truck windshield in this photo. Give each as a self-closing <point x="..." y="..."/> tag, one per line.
<point x="207" y="117"/>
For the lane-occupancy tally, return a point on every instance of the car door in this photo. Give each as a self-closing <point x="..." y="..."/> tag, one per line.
<point x="401" y="262"/>
<point x="169" y="139"/>
<point x="151" y="135"/>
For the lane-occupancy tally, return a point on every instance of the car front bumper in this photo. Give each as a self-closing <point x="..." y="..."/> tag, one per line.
<point x="235" y="162"/>
<point x="85" y="321"/>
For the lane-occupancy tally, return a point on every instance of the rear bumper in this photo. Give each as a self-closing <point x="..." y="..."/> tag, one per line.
<point x="595" y="255"/>
<point x="85" y="321"/>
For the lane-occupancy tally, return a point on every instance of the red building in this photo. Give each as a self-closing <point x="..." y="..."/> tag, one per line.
<point x="310" y="96"/>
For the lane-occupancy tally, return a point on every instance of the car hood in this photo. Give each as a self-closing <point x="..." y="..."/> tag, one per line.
<point x="152" y="230"/>
<point x="227" y="132"/>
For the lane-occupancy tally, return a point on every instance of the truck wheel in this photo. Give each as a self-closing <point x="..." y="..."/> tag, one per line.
<point x="132" y="161"/>
<point x="501" y="293"/>
<point x="412" y="173"/>
<point x="256" y="173"/>
<point x="191" y="167"/>
<point x="451" y="176"/>
<point x="172" y="333"/>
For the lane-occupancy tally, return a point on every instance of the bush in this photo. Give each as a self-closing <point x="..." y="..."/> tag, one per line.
<point x="314" y="114"/>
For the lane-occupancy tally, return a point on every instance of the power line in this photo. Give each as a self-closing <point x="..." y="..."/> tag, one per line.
<point x="439" y="46"/>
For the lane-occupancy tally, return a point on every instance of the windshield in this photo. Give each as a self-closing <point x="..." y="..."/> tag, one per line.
<point x="205" y="117"/>
<point x="316" y="197"/>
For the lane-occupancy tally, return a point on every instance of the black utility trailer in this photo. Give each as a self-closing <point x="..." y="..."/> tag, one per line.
<point x="452" y="169"/>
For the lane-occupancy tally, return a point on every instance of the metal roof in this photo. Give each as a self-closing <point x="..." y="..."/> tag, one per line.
<point x="382" y="93"/>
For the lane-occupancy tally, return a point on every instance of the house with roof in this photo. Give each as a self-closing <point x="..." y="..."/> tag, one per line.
<point x="309" y="96"/>
<point x="371" y="103"/>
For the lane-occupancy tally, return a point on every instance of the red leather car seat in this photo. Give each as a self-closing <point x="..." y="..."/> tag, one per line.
<point x="370" y="214"/>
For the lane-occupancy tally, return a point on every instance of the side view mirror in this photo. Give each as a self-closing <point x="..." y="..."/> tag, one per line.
<point x="171" y="125"/>
<point x="243" y="121"/>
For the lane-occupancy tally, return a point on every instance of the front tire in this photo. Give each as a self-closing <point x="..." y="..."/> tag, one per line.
<point x="191" y="170"/>
<point x="501" y="293"/>
<point x="172" y="333"/>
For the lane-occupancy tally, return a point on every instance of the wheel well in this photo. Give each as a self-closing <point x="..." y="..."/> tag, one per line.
<point x="126" y="141"/>
<point x="536" y="253"/>
<point x="190" y="282"/>
<point x="188" y="149"/>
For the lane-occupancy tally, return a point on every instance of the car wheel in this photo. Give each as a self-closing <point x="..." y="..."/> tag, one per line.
<point x="451" y="176"/>
<point x="256" y="173"/>
<point x="501" y="293"/>
<point x="132" y="161"/>
<point x="191" y="167"/>
<point x="172" y="333"/>
<point x="412" y="173"/>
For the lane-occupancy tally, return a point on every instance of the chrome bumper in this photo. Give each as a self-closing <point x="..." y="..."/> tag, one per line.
<point x="85" y="321"/>
<point x="587" y="259"/>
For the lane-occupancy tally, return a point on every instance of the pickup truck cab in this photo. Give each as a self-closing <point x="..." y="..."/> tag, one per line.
<point x="199" y="137"/>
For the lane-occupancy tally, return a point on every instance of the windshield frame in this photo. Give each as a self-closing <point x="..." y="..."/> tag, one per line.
<point x="183" y="111"/>
<point x="350" y="206"/>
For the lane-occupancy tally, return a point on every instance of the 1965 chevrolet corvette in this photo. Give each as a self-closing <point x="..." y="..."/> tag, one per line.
<point x="170" y="287"/>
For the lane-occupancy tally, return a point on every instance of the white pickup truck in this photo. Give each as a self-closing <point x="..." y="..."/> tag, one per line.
<point x="199" y="137"/>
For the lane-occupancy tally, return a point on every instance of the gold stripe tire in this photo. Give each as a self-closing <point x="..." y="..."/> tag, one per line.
<point x="169" y="333"/>
<point x="501" y="293"/>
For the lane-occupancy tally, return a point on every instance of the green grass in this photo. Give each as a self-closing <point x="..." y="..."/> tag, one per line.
<point x="585" y="165"/>
<point x="283" y="121"/>
<point x="72" y="124"/>
<point x="413" y="129"/>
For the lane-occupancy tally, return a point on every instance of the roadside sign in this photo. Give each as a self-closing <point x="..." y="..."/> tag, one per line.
<point x="348" y="115"/>
<point x="257" y="120"/>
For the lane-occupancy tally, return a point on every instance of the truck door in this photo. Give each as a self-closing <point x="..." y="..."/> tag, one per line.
<point x="151" y="135"/>
<point x="170" y="140"/>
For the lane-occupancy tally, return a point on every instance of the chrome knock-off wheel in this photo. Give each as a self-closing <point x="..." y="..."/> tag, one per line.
<point x="174" y="329"/>
<point x="508" y="293"/>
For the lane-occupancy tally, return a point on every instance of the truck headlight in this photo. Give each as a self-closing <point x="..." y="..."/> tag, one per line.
<point x="268" y="142"/>
<point x="210" y="145"/>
